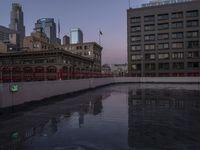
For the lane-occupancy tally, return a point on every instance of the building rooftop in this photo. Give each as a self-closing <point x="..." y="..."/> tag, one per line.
<point x="154" y="3"/>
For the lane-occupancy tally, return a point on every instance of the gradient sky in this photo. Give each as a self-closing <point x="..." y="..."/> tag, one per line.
<point x="89" y="15"/>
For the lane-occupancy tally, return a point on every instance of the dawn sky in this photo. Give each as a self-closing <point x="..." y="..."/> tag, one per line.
<point x="89" y="15"/>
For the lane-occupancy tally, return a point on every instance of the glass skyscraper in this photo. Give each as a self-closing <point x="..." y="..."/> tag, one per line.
<point x="17" y="21"/>
<point x="76" y="36"/>
<point x="47" y="26"/>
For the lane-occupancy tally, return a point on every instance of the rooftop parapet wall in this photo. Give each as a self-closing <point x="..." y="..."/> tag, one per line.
<point x="29" y="91"/>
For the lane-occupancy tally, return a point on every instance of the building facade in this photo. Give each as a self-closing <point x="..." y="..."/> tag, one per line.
<point x="17" y="21"/>
<point x="37" y="41"/>
<point x="9" y="40"/>
<point x="89" y="50"/>
<point x="66" y="40"/>
<point x="119" y="69"/>
<point x="163" y="39"/>
<point x="76" y="36"/>
<point x="43" y="65"/>
<point x="47" y="26"/>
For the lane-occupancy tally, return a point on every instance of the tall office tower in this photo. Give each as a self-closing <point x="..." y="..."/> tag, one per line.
<point x="76" y="36"/>
<point x="17" y="21"/>
<point x="163" y="38"/>
<point x="47" y="26"/>
<point x="66" y="40"/>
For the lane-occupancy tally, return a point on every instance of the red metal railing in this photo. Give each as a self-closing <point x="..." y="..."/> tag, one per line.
<point x="19" y="76"/>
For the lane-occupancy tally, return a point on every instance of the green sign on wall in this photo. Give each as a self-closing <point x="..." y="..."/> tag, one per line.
<point x="14" y="88"/>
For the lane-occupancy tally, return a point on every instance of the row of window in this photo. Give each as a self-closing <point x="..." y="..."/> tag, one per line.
<point x="82" y="47"/>
<point x="165" y="26"/>
<point x="165" y="36"/>
<point x="28" y="61"/>
<point x="176" y="55"/>
<point x="166" y="16"/>
<point x="166" y="66"/>
<point x="165" y="46"/>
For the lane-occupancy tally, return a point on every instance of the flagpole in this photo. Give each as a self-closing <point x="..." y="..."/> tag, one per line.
<point x="100" y="33"/>
<point x="99" y="38"/>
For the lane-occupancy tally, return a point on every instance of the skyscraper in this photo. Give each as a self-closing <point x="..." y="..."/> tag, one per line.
<point x="17" y="21"/>
<point x="48" y="26"/>
<point x="76" y="36"/>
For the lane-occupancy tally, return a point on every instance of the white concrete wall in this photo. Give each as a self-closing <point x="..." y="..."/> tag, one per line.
<point x="33" y="91"/>
<point x="158" y="79"/>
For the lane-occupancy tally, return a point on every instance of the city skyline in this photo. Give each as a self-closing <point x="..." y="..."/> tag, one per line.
<point x="89" y="15"/>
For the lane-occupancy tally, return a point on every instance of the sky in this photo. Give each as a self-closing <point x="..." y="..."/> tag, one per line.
<point x="90" y="15"/>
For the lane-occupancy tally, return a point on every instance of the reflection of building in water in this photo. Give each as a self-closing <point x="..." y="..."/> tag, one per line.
<point x="162" y="118"/>
<point x="93" y="106"/>
<point x="50" y="128"/>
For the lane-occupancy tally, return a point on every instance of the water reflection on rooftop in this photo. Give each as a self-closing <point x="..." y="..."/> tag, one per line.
<point x="118" y="117"/>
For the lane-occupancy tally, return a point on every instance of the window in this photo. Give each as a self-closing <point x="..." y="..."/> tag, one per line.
<point x="163" y="56"/>
<point x="136" y="57"/>
<point x="177" y="35"/>
<point x="178" y="55"/>
<point x="178" y="65"/>
<point x="192" y="23"/>
<point x="163" y="36"/>
<point x="51" y="60"/>
<point x="150" y="66"/>
<point x="177" y="15"/>
<point x="150" y="56"/>
<point x="149" y="27"/>
<point x="27" y="62"/>
<point x="193" y="54"/>
<point x="135" y="47"/>
<point x="39" y="61"/>
<point x="39" y="69"/>
<point x="192" y="13"/>
<point x="136" y="38"/>
<point x="35" y="45"/>
<point x="79" y="47"/>
<point x="193" y="64"/>
<point x="163" y="66"/>
<point x="163" y="26"/>
<point x="193" y="44"/>
<point x="163" y="46"/>
<point x="192" y="34"/>
<point x="149" y="47"/>
<point x="149" y="18"/>
<point x="177" y="25"/>
<point x="177" y="45"/>
<point x="135" y="29"/>
<point x="163" y="17"/>
<point x="135" y="20"/>
<point x="150" y="37"/>
<point x="136" y="66"/>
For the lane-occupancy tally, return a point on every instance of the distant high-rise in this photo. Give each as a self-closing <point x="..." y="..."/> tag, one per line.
<point x="47" y="26"/>
<point x="17" y="21"/>
<point x="66" y="40"/>
<point x="5" y="33"/>
<point x="58" y="41"/>
<point x="76" y="36"/>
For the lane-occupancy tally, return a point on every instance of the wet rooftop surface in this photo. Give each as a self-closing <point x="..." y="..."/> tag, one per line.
<point x="117" y="117"/>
